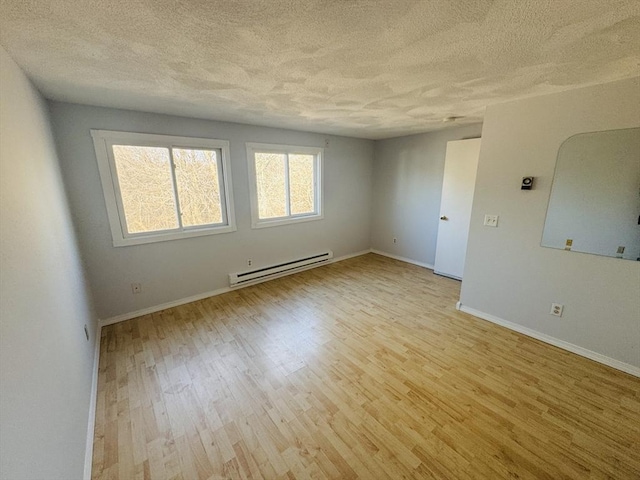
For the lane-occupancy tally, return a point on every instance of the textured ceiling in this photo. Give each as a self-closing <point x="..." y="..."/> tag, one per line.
<point x="370" y="69"/>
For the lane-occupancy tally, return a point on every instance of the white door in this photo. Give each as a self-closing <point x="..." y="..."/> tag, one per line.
<point x="461" y="165"/>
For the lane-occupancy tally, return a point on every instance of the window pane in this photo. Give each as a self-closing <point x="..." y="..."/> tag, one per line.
<point x="270" y="182"/>
<point x="301" y="183"/>
<point x="198" y="186"/>
<point x="144" y="175"/>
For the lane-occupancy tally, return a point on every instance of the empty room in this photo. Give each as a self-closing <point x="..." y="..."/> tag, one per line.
<point x="319" y="239"/>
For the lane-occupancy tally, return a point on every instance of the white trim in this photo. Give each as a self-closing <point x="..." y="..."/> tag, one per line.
<point x="286" y="221"/>
<point x="88" y="453"/>
<point x="349" y="255"/>
<point x="442" y="274"/>
<point x="181" y="301"/>
<point x="163" y="306"/>
<point x="318" y="171"/>
<point x="103" y="140"/>
<point x="402" y="259"/>
<point x="583" y="352"/>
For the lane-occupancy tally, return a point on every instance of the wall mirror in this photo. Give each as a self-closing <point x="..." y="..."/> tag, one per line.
<point x="595" y="199"/>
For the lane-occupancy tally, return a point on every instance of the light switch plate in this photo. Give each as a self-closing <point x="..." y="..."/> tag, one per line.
<point x="491" y="220"/>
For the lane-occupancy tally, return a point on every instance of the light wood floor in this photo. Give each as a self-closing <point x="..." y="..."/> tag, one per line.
<point x="360" y="369"/>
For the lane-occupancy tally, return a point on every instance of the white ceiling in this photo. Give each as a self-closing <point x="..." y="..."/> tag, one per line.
<point x="371" y="69"/>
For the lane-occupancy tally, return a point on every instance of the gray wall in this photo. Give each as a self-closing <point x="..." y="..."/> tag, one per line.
<point x="176" y="269"/>
<point x="407" y="185"/>
<point x="507" y="273"/>
<point x="45" y="361"/>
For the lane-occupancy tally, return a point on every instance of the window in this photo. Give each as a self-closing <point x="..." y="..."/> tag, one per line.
<point x="285" y="184"/>
<point x="160" y="187"/>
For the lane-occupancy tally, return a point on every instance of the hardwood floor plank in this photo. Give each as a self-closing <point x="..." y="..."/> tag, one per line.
<point x="359" y="369"/>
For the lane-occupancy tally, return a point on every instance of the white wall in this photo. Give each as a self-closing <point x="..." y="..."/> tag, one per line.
<point x="177" y="269"/>
<point x="45" y="361"/>
<point x="408" y="173"/>
<point x="507" y="273"/>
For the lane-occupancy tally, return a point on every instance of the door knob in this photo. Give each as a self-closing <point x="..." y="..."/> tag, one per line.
<point x="444" y="217"/>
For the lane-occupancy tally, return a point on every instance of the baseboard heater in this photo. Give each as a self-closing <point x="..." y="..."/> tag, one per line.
<point x="276" y="270"/>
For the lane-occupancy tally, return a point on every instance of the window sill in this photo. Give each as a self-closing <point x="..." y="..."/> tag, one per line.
<point x="168" y="236"/>
<point x="285" y="221"/>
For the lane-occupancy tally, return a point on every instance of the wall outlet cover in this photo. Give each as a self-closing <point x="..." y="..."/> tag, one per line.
<point x="556" y="309"/>
<point x="491" y="220"/>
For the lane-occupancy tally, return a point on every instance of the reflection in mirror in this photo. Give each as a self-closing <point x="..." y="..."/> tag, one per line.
<point x="595" y="199"/>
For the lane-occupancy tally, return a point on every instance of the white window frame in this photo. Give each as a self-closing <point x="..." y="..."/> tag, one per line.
<point x="318" y="214"/>
<point x="103" y="141"/>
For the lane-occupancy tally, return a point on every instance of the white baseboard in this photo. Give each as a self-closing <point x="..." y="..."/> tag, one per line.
<point x="350" y="255"/>
<point x="597" y="357"/>
<point x="182" y="301"/>
<point x="402" y="259"/>
<point x="88" y="454"/>
<point x="163" y="306"/>
<point x="442" y="274"/>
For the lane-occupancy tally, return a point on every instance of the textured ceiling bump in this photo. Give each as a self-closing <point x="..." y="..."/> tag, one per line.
<point x="370" y="69"/>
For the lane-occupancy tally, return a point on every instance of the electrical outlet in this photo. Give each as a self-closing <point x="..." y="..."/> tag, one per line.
<point x="86" y="332"/>
<point x="326" y="143"/>
<point x="491" y="220"/>
<point x="249" y="262"/>
<point x="556" y="309"/>
<point x="136" y="288"/>
<point x="395" y="240"/>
